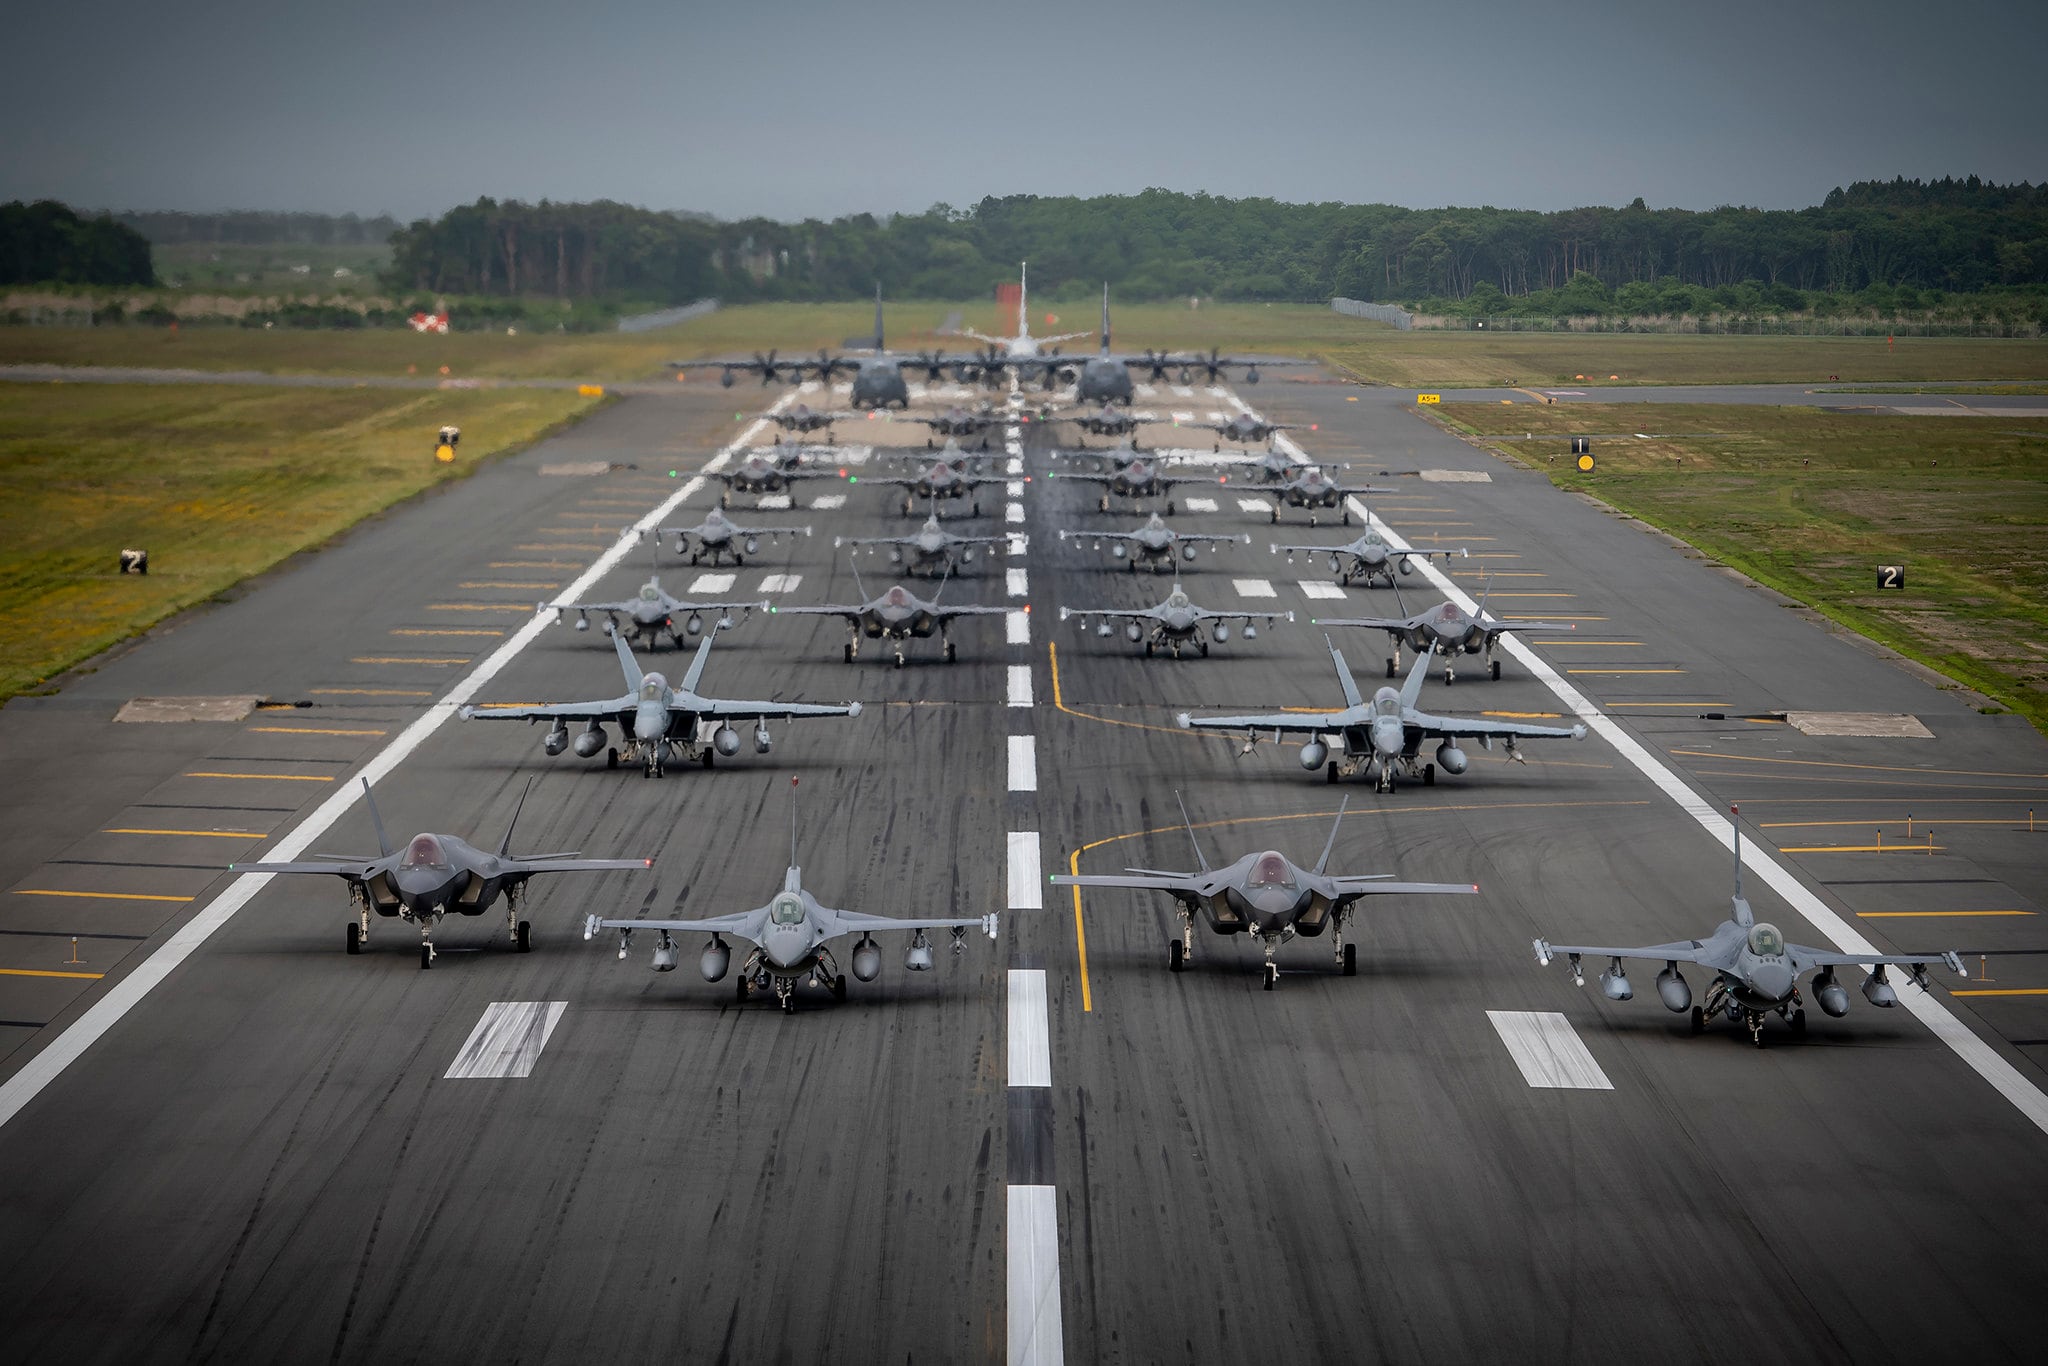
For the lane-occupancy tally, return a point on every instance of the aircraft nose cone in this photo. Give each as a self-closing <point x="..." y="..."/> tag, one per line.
<point x="1772" y="980"/>
<point x="419" y="887"/>
<point x="786" y="948"/>
<point x="650" y="721"/>
<point x="1387" y="735"/>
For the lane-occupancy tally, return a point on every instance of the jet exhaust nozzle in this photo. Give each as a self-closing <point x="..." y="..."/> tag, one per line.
<point x="1831" y="995"/>
<point x="1673" y="990"/>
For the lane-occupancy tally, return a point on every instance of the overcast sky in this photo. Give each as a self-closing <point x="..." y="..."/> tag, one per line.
<point x="795" y="108"/>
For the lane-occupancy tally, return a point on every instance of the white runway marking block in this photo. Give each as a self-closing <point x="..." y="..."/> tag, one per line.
<point x="1017" y="628"/>
<point x="713" y="583"/>
<point x="1020" y="688"/>
<point x="1316" y="588"/>
<point x="1550" y="1054"/>
<point x="1013" y="512"/>
<point x="775" y="502"/>
<point x="1030" y="1042"/>
<point x="829" y="501"/>
<point x="781" y="583"/>
<point x="507" y="1041"/>
<point x="1202" y="504"/>
<point x="1035" y="1332"/>
<point x="1254" y="505"/>
<point x="1023" y="763"/>
<point x="1017" y="582"/>
<point x="1027" y="884"/>
<point x="1253" y="588"/>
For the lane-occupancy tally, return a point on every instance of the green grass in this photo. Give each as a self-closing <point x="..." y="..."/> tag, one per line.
<point x="216" y="482"/>
<point x="1810" y="502"/>
<point x="206" y="267"/>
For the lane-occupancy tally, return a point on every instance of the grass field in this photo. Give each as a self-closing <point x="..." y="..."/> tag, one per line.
<point x="1810" y="502"/>
<point x="216" y="482"/>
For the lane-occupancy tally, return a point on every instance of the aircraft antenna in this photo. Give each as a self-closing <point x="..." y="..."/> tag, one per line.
<point x="505" y="846"/>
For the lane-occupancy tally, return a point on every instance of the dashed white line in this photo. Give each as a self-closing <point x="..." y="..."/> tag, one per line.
<point x="1183" y="391"/>
<point x="1017" y="628"/>
<point x="1182" y="416"/>
<point x="1020" y="542"/>
<point x="1014" y="489"/>
<point x="1253" y="588"/>
<point x="1017" y="582"/>
<point x="712" y="583"/>
<point x="1023" y="763"/>
<point x="774" y="502"/>
<point x="829" y="501"/>
<point x="1253" y="505"/>
<point x="1317" y="588"/>
<point x="1030" y="1038"/>
<point x="1013" y="512"/>
<point x="508" y="1039"/>
<point x="1547" y="1049"/>
<point x="781" y="583"/>
<point x="1020" y="685"/>
<point x="1035" y="1332"/>
<point x="1201" y="504"/>
<point x="1013" y="466"/>
<point x="1027" y="892"/>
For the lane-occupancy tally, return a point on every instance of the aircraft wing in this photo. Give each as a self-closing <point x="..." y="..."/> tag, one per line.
<point x="857" y="920"/>
<point x="1286" y="722"/>
<point x="850" y="611"/>
<point x="1378" y="623"/>
<point x="771" y="531"/>
<point x="1373" y="886"/>
<point x="356" y="871"/>
<point x="678" y="605"/>
<point x="941" y="611"/>
<point x="1684" y="951"/>
<point x="544" y="863"/>
<point x="1317" y="550"/>
<point x="1143" y="882"/>
<point x="780" y="711"/>
<point x="794" y="472"/>
<point x="736" y="923"/>
<point x="1804" y="958"/>
<point x="1452" y="726"/>
<point x="566" y="711"/>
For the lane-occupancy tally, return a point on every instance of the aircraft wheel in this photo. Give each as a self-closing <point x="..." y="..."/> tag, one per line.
<point x="725" y="500"/>
<point x="849" y="652"/>
<point x="975" y="508"/>
<point x="1330" y="772"/>
<point x="1276" y="516"/>
<point x="426" y="956"/>
<point x="952" y="652"/>
<point x="739" y="562"/>
<point x="789" y="1004"/>
<point x="710" y="756"/>
<point x="524" y="941"/>
<point x="1496" y="671"/>
<point x="1799" y="1021"/>
<point x="1429" y="775"/>
<point x="899" y="661"/>
<point x="1699" y="1020"/>
<point x="1390" y="668"/>
<point x="1134" y="564"/>
<point x="1205" y="648"/>
<point x="693" y="557"/>
<point x="1169" y="507"/>
<point x="1351" y="960"/>
<point x="1272" y="976"/>
<point x="1102" y="505"/>
<point x="1346" y="518"/>
<point x="1148" y="649"/>
<point x="1758" y="1040"/>
<point x="1176" y="957"/>
<point x="839" y="987"/>
<point x="906" y="507"/>
<point x="611" y="757"/>
<point x="355" y="937"/>
<point x="740" y="987"/>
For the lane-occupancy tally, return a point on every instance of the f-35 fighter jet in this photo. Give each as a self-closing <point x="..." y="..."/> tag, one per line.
<point x="790" y="935"/>
<point x="1174" y="623"/>
<point x="1384" y="735"/>
<point x="1446" y="629"/>
<point x="1266" y="894"/>
<point x="436" y="874"/>
<point x="1153" y="544"/>
<point x="1755" y="971"/>
<point x="657" y="722"/>
<point x="803" y="419"/>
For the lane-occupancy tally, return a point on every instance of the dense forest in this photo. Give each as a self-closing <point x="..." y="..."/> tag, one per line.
<point x="259" y="228"/>
<point x="1949" y="236"/>
<point x="45" y="242"/>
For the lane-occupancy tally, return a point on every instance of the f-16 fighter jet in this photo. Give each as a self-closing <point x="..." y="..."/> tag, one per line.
<point x="1266" y="894"/>
<point x="657" y="722"/>
<point x="436" y="874"/>
<point x="790" y="935"/>
<point x="803" y="419"/>
<point x="1384" y="735"/>
<point x="1755" y="971"/>
<point x="1308" y="487"/>
<point x="950" y="476"/>
<point x="652" y="614"/>
<point x="933" y="550"/>
<point x="1174" y="623"/>
<point x="1153" y="544"/>
<point x="1446" y="629"/>
<point x="1369" y="558"/>
<point x="766" y="470"/>
<point x="896" y="616"/>
<point x="717" y="537"/>
<point x="1132" y="475"/>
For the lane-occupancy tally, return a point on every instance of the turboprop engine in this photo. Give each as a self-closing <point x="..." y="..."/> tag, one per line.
<point x="1673" y="991"/>
<point x="1830" y="994"/>
<point x="1451" y="759"/>
<point x="1313" y="754"/>
<point x="589" y="743"/>
<point x="557" y="741"/>
<point x="717" y="957"/>
<point x="867" y="960"/>
<point x="726" y="741"/>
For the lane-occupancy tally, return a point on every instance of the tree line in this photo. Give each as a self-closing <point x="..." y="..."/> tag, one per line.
<point x="260" y="228"/>
<point x="48" y="243"/>
<point x="1955" y="236"/>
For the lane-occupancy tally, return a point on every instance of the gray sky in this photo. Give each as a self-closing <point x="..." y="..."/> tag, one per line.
<point x="794" y="108"/>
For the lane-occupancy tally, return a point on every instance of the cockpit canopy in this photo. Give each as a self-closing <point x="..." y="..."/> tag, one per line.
<point x="649" y="593"/>
<point x="1176" y="599"/>
<point x="1449" y="612"/>
<point x="1373" y="538"/>
<point x="424" y="852"/>
<point x="787" y="909"/>
<point x="1765" y="941"/>
<point x="652" y="687"/>
<point x="1386" y="704"/>
<point x="1271" y="869"/>
<point x="899" y="596"/>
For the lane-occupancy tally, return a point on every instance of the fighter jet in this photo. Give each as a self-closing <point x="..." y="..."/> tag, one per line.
<point x="1756" y="972"/>
<point x="1247" y="429"/>
<point x="1174" y="623"/>
<point x="1275" y="466"/>
<point x="896" y="616"/>
<point x="1153" y="544"/>
<point x="1369" y="558"/>
<point x="790" y="934"/>
<point x="653" y="613"/>
<point x="1306" y="486"/>
<point x="718" y="537"/>
<point x="1446" y="629"/>
<point x="769" y="470"/>
<point x="1109" y="420"/>
<point x="957" y="421"/>
<point x="1132" y="475"/>
<point x="1266" y="894"/>
<point x="803" y="419"/>
<point x="658" y="722"/>
<point x="950" y="476"/>
<point x="932" y="550"/>
<point x="437" y="874"/>
<point x="1383" y="735"/>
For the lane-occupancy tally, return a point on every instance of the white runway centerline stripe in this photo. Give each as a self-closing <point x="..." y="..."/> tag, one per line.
<point x="1013" y="512"/>
<point x="1026" y="893"/>
<point x="507" y="1041"/>
<point x="1017" y="628"/>
<point x="781" y="583"/>
<point x="1013" y="466"/>
<point x="1316" y="588"/>
<point x="1017" y="582"/>
<point x="1253" y="588"/>
<point x="713" y="583"/>
<point x="1020" y="542"/>
<point x="1035" y="1336"/>
<point x="1020" y="685"/>
<point x="1550" y="1054"/>
<point x="1254" y="505"/>
<point x="1023" y="763"/>
<point x="1014" y="489"/>
<point x="19" y="1089"/>
<point x="1029" y="1033"/>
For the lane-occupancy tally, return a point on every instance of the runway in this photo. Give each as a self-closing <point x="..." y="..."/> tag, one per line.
<point x="266" y="1156"/>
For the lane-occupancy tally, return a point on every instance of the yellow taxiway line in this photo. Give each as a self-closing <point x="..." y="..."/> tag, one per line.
<point x="1917" y="915"/>
<point x="205" y="834"/>
<point x="42" y="972"/>
<point x="102" y="896"/>
<point x="308" y="730"/>
<point x="270" y="777"/>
